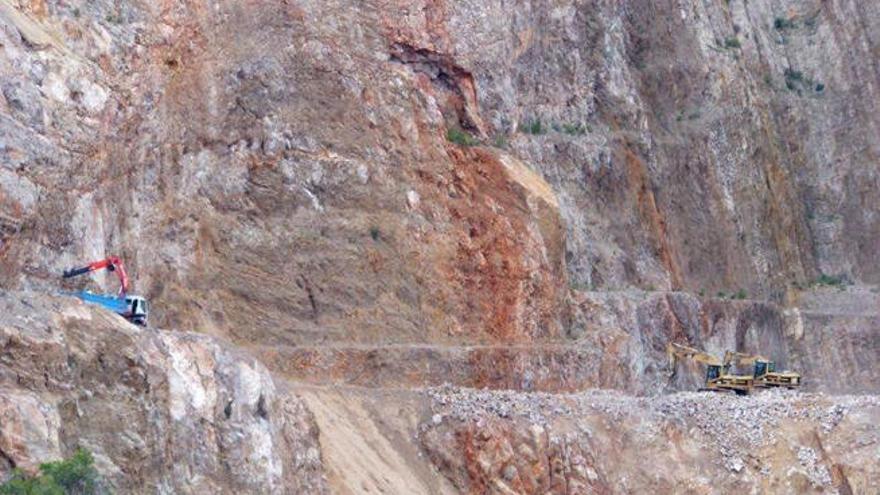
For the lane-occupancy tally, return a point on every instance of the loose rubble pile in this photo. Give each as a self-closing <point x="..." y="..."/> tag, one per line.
<point x="736" y="426"/>
<point x="818" y="473"/>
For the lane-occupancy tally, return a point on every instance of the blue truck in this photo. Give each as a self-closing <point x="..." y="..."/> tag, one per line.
<point x="133" y="308"/>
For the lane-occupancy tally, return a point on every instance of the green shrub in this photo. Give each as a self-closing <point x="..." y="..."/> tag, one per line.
<point x="375" y="233"/>
<point x="732" y="42"/>
<point x="794" y="79"/>
<point x="794" y="75"/>
<point x="820" y="88"/>
<point x="534" y="126"/>
<point x="721" y="294"/>
<point x="501" y="141"/>
<point x="740" y="294"/>
<point x="75" y="475"/>
<point x="781" y="23"/>
<point x="460" y="137"/>
<point x="574" y="129"/>
<point x="830" y="281"/>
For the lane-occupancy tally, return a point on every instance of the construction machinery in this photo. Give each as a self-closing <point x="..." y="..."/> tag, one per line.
<point x="764" y="370"/>
<point x="132" y="308"/>
<point x="717" y="377"/>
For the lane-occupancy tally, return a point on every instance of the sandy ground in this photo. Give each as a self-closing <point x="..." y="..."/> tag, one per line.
<point x="364" y="441"/>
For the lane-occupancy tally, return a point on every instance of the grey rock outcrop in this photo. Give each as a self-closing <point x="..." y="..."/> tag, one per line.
<point x="162" y="412"/>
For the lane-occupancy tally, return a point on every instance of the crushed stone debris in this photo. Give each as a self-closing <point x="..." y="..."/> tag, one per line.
<point x="816" y="471"/>
<point x="736" y="426"/>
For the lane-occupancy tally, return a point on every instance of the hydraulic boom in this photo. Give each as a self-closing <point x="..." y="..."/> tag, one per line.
<point x="113" y="264"/>
<point x="763" y="369"/>
<point x="717" y="377"/>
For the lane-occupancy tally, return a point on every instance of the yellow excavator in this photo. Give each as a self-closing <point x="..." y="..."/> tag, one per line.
<point x="764" y="370"/>
<point x="717" y="377"/>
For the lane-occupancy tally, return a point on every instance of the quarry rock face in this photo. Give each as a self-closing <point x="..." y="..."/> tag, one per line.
<point x="283" y="174"/>
<point x="336" y="201"/>
<point x="492" y="442"/>
<point x="162" y="412"/>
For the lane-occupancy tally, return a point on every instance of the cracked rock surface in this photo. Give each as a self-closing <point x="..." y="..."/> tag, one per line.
<point x="608" y="442"/>
<point x="514" y="205"/>
<point x="162" y="412"/>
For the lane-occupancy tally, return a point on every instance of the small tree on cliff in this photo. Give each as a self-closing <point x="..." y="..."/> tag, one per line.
<point x="75" y="475"/>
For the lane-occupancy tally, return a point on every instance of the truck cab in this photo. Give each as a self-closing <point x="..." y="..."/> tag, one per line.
<point x="136" y="310"/>
<point x="132" y="308"/>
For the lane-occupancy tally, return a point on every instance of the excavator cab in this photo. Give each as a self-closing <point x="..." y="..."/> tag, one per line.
<point x="718" y="377"/>
<point x="763" y="370"/>
<point x="137" y="310"/>
<point x="713" y="372"/>
<point x="764" y="367"/>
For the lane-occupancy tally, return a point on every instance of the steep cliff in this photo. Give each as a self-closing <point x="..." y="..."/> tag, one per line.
<point x="531" y="195"/>
<point x="282" y="173"/>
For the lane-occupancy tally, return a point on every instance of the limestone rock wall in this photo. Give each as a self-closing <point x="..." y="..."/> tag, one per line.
<point x="307" y="192"/>
<point x="528" y="194"/>
<point x="162" y="412"/>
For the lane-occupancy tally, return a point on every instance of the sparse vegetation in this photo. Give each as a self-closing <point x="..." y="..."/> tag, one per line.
<point x="534" y="126"/>
<point x="830" y="281"/>
<point x="793" y="75"/>
<point x="500" y="141"/>
<point x="781" y="24"/>
<point x="692" y="115"/>
<point x="460" y="137"/>
<point x="574" y="129"/>
<point x="375" y="233"/>
<point x="796" y="80"/>
<point x="732" y="42"/>
<point x="74" y="475"/>
<point x="76" y="12"/>
<point x="538" y="127"/>
<point x="581" y="286"/>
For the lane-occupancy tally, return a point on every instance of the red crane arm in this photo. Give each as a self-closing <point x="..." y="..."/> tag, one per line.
<point x="113" y="263"/>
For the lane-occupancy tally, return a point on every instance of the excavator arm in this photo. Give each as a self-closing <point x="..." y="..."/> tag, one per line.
<point x="675" y="351"/>
<point x="113" y="264"/>
<point x="742" y="359"/>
